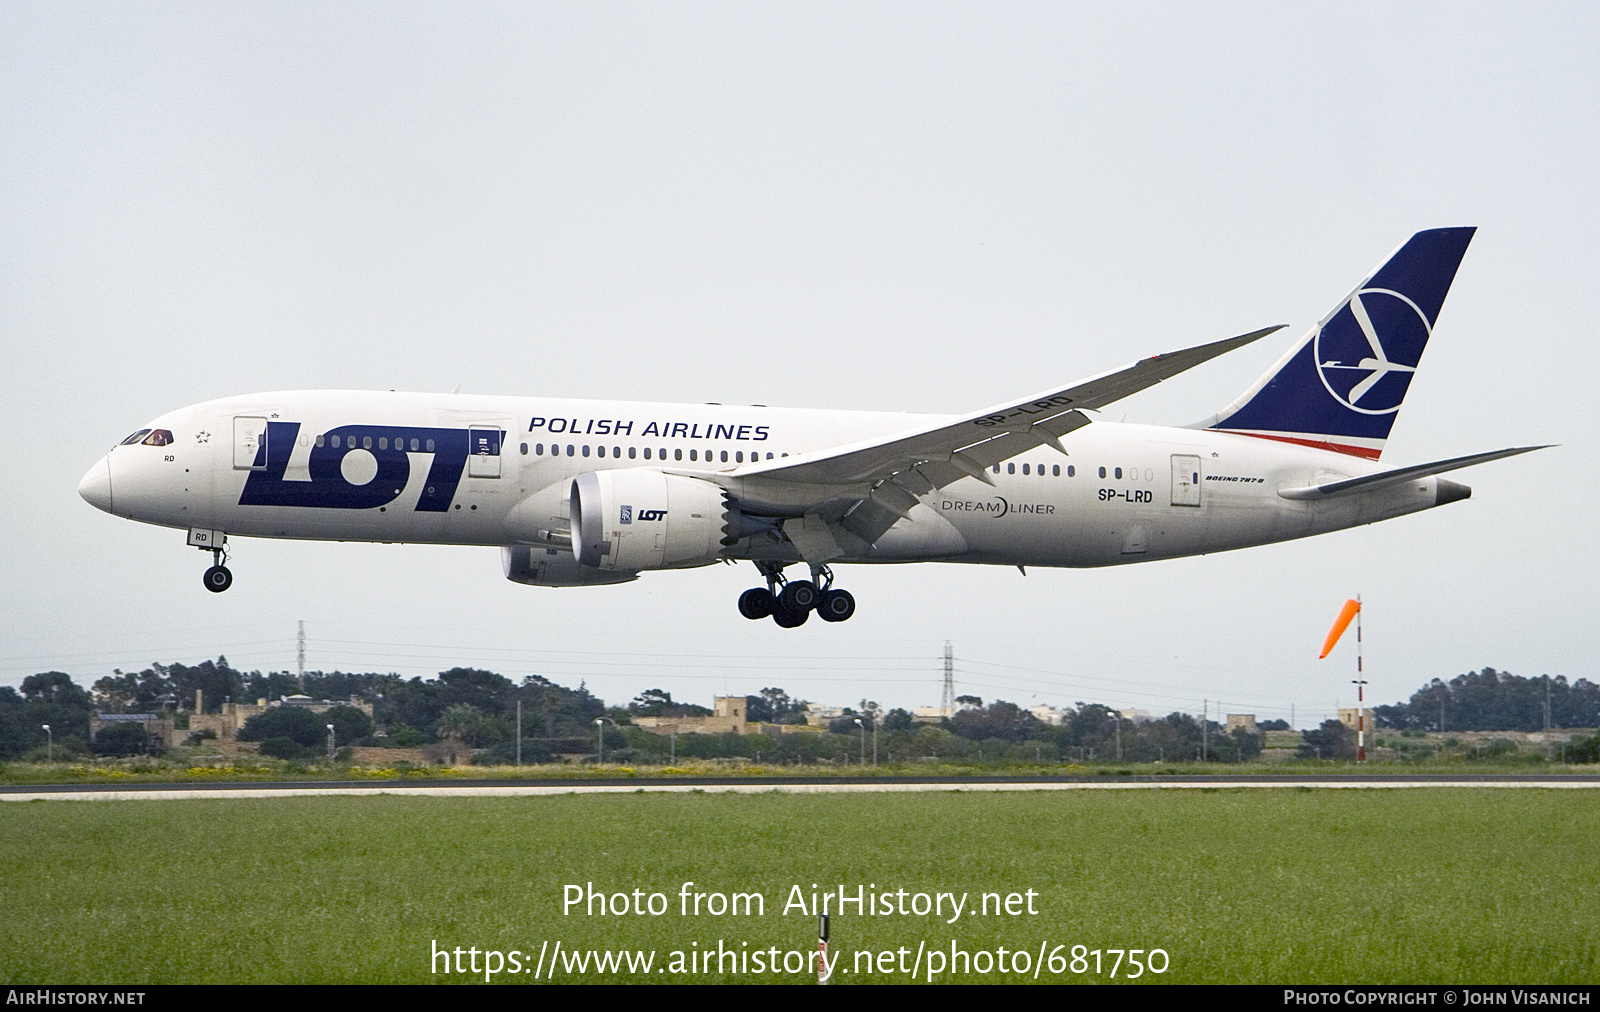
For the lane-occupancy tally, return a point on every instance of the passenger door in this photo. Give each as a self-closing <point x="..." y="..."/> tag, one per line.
<point x="1185" y="479"/>
<point x="249" y="443"/>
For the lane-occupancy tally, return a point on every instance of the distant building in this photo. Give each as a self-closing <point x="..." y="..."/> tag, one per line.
<point x="1243" y="722"/>
<point x="164" y="731"/>
<point x="1137" y="716"/>
<point x="728" y="715"/>
<point x="818" y="715"/>
<point x="1348" y="715"/>
<point x="927" y="714"/>
<point x="1051" y="715"/>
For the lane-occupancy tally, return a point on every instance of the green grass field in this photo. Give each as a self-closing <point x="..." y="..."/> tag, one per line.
<point x="1270" y="886"/>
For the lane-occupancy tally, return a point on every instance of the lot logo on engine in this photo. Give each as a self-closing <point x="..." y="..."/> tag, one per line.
<point x="652" y="514"/>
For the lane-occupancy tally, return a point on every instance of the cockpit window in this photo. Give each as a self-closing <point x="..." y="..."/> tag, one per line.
<point x="136" y="437"/>
<point x="160" y="437"/>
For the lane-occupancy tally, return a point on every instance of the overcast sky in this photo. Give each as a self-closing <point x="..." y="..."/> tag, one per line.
<point x="926" y="207"/>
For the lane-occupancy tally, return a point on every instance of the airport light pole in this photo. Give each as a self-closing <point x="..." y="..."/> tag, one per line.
<point x="600" y="738"/>
<point x="863" y="740"/>
<point x="49" y="743"/>
<point x="330" y="741"/>
<point x="519" y="730"/>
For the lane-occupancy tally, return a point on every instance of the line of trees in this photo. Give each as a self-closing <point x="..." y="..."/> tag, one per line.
<point x="1491" y="700"/>
<point x="476" y="709"/>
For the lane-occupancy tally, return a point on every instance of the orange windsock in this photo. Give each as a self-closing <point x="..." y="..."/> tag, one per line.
<point x="1341" y="623"/>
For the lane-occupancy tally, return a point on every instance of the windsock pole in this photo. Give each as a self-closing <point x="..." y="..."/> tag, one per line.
<point x="1352" y="610"/>
<point x="1361" y="684"/>
<point x="824" y="968"/>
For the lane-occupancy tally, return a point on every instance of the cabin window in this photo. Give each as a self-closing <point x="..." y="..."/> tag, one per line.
<point x="1011" y="469"/>
<point x="647" y="453"/>
<point x="997" y="469"/>
<point x="738" y="458"/>
<point x="321" y="439"/>
<point x="572" y="451"/>
<point x="600" y="451"/>
<point x="585" y="449"/>
<point x="1024" y="468"/>
<point x="136" y="437"/>
<point x="383" y="442"/>
<point x="694" y="454"/>
<point x="1119" y="472"/>
<point x="1055" y="470"/>
<point x="1102" y="472"/>
<point x="677" y="454"/>
<point x="524" y="448"/>
<point x="1072" y="471"/>
<point x="366" y="442"/>
<point x="769" y="456"/>
<point x="429" y="445"/>
<point x="724" y="456"/>
<point x="633" y="450"/>
<point x="538" y="449"/>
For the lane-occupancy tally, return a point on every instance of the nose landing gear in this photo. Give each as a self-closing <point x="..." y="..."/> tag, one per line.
<point x="794" y="603"/>
<point x="218" y="578"/>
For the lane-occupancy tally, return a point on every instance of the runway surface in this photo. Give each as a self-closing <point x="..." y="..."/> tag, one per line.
<point x="757" y="785"/>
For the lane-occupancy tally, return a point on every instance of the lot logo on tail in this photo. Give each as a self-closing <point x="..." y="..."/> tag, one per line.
<point x="1340" y="388"/>
<point x="1367" y="352"/>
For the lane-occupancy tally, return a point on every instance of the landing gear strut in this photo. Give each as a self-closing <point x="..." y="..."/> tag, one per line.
<point x="791" y="605"/>
<point x="217" y="578"/>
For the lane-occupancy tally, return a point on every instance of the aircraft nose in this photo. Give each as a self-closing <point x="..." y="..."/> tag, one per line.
<point x="96" y="485"/>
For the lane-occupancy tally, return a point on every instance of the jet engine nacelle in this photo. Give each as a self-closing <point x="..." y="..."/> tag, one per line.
<point x="640" y="518"/>
<point x="548" y="567"/>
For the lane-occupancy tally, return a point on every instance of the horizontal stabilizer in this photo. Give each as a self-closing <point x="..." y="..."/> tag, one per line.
<point x="1369" y="482"/>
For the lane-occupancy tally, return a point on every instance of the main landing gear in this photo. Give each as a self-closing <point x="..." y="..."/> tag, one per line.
<point x="794" y="603"/>
<point x="217" y="578"/>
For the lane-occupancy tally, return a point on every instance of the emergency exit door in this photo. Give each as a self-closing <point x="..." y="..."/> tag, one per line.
<point x="249" y="443"/>
<point x="483" y="451"/>
<point x="1185" y="479"/>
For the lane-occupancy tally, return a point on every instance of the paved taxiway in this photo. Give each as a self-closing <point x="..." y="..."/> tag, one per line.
<point x="758" y="785"/>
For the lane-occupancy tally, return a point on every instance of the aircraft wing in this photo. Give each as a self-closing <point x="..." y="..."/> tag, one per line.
<point x="924" y="459"/>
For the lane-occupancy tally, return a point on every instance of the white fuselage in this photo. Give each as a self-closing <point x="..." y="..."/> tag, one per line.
<point x="1122" y="493"/>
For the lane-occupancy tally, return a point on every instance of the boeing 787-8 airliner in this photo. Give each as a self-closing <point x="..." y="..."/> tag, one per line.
<point x="585" y="492"/>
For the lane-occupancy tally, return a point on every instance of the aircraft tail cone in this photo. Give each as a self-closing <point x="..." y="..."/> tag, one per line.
<point x="1451" y="491"/>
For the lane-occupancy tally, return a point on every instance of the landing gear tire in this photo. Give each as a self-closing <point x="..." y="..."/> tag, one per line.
<point x="787" y="618"/>
<point x="836" y="606"/>
<point x="757" y="603"/>
<point x="218" y="579"/>
<point x="799" y="596"/>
